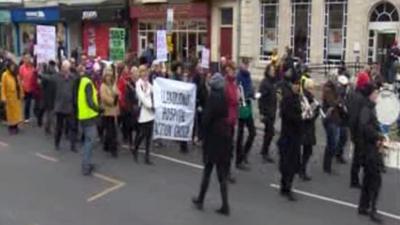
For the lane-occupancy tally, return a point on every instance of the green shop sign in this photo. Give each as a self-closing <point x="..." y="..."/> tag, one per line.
<point x="117" y="44"/>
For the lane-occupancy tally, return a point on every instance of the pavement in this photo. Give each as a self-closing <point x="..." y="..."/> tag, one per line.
<point x="40" y="186"/>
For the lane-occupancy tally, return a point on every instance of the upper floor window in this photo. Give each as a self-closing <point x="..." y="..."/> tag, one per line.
<point x="269" y="28"/>
<point x="384" y="12"/>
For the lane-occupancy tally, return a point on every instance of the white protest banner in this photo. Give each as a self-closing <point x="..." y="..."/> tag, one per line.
<point x="162" y="50"/>
<point x="205" y="58"/>
<point x="174" y="103"/>
<point x="45" y="43"/>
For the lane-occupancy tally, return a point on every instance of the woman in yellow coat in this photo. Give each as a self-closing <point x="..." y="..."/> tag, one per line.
<point x="11" y="95"/>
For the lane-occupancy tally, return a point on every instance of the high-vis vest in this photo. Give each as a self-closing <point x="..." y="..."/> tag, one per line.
<point x="84" y="111"/>
<point x="303" y="80"/>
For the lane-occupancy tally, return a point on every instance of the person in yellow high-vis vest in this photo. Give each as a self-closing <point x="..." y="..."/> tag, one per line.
<point x="87" y="111"/>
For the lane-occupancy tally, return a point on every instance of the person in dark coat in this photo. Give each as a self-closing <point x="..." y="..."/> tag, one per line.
<point x="132" y="105"/>
<point x="355" y="102"/>
<point x="310" y="112"/>
<point x="372" y="142"/>
<point x="48" y="84"/>
<point x="246" y="87"/>
<point x="343" y="94"/>
<point x="267" y="105"/>
<point x="177" y="74"/>
<point x="216" y="144"/>
<point x="289" y="142"/>
<point x="200" y="80"/>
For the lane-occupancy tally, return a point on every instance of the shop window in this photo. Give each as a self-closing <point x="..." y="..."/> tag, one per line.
<point x="269" y="28"/>
<point x="335" y="30"/>
<point x="227" y="16"/>
<point x="384" y="12"/>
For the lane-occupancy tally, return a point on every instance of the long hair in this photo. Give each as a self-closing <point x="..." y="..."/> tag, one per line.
<point x="12" y="68"/>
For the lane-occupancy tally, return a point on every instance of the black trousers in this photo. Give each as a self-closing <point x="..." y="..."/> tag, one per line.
<point x="372" y="181"/>
<point x="110" y="143"/>
<point x="222" y="173"/>
<point x="305" y="157"/>
<point x="66" y="121"/>
<point x="242" y="154"/>
<point x="343" y="137"/>
<point x="268" y="136"/>
<point x="356" y="164"/>
<point x="145" y="133"/>
<point x="28" y="97"/>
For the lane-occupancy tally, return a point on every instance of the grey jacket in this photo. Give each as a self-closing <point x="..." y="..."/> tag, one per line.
<point x="64" y="94"/>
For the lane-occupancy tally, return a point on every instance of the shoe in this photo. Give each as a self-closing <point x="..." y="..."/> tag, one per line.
<point x="89" y="170"/>
<point x="223" y="211"/>
<point x="268" y="159"/>
<point x="340" y="160"/>
<point x="231" y="179"/>
<point x="135" y="155"/>
<point x="355" y="186"/>
<point x="242" y="167"/>
<point x="376" y="218"/>
<point x="148" y="162"/>
<point x="363" y="212"/>
<point x="305" y="177"/>
<point x="197" y="203"/>
<point x="114" y="154"/>
<point x="291" y="197"/>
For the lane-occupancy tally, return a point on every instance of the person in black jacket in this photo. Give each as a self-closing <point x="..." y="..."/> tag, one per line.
<point x="310" y="112"/>
<point x="200" y="80"/>
<point x="289" y="142"/>
<point x="355" y="102"/>
<point x="267" y="105"/>
<point x="372" y="142"/>
<point x="48" y="84"/>
<point x="132" y="106"/>
<point x="216" y="144"/>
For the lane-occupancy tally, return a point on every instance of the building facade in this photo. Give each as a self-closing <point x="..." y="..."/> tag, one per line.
<point x="318" y="31"/>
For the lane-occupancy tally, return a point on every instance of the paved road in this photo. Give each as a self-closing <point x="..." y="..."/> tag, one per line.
<point x="40" y="186"/>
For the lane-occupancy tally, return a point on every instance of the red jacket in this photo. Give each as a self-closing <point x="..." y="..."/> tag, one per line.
<point x="28" y="78"/>
<point x="121" y="85"/>
<point x="232" y="98"/>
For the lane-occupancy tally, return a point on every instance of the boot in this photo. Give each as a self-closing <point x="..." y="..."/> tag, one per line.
<point x="197" y="203"/>
<point x="375" y="217"/>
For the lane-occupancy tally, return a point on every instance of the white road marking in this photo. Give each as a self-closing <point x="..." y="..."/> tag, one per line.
<point x="3" y="144"/>
<point x="332" y="200"/>
<point x="46" y="157"/>
<point x="171" y="159"/>
<point x="116" y="185"/>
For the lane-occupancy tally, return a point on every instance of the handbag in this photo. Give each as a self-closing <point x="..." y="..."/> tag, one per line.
<point x="245" y="111"/>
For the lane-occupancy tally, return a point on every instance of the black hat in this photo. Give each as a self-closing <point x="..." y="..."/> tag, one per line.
<point x="368" y="89"/>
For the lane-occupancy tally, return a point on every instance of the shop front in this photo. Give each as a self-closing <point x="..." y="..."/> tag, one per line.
<point x="6" y="31"/>
<point x="189" y="31"/>
<point x="90" y="27"/>
<point x="26" y="20"/>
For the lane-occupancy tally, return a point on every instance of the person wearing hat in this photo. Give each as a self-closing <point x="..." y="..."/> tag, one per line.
<point x="216" y="143"/>
<point x="11" y="96"/>
<point x="343" y="92"/>
<point x="289" y="142"/>
<point x="372" y="142"/>
<point x="310" y="112"/>
<point x="355" y="102"/>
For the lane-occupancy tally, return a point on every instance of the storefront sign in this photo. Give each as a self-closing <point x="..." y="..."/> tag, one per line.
<point x="162" y="49"/>
<point x="35" y="15"/>
<point x="117" y="44"/>
<point x="89" y="15"/>
<point x="189" y="10"/>
<point x="45" y="47"/>
<point x="5" y="16"/>
<point x="174" y="103"/>
<point x="205" y="58"/>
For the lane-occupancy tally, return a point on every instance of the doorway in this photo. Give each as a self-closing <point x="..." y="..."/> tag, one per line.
<point x="383" y="45"/>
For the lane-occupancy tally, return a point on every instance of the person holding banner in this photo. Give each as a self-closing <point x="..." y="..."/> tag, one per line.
<point x="177" y="74"/>
<point x="217" y="143"/>
<point x="144" y="91"/>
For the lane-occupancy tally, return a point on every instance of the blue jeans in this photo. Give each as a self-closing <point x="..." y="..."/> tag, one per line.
<point x="89" y="133"/>
<point x="332" y="139"/>
<point x="343" y="137"/>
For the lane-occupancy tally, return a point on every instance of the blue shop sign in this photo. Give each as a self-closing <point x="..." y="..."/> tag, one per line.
<point x="50" y="14"/>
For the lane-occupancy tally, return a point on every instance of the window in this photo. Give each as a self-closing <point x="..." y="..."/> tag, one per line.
<point x="301" y="29"/>
<point x="226" y="16"/>
<point x="269" y="28"/>
<point x="384" y="12"/>
<point x="335" y="30"/>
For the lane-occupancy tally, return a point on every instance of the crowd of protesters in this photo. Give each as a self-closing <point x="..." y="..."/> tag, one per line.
<point x="86" y="98"/>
